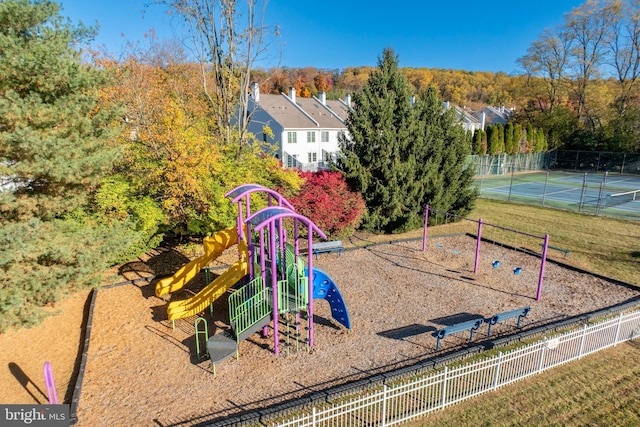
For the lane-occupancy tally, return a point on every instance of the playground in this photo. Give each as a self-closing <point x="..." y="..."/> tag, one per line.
<point x="143" y="368"/>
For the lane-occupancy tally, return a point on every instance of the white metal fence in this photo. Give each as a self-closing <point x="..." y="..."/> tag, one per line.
<point x="395" y="404"/>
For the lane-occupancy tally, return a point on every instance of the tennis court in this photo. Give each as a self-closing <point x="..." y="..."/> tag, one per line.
<point x="600" y="194"/>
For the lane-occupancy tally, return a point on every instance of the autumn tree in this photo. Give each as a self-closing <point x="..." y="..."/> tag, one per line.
<point x="548" y="59"/>
<point x="171" y="152"/>
<point x="228" y="38"/>
<point x="326" y="199"/>
<point x="55" y="148"/>
<point x="400" y="155"/>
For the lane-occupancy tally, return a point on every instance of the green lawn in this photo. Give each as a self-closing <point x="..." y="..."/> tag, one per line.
<point x="602" y="389"/>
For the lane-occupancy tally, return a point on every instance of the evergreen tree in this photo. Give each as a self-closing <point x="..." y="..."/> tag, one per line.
<point x="517" y="138"/>
<point x="530" y="137"/>
<point x="53" y="152"/>
<point x="400" y="155"/>
<point x="509" y="145"/>
<point x="493" y="140"/>
<point x="477" y="142"/>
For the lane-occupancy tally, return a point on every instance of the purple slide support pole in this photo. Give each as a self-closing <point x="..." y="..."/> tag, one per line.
<point x="310" y="280"/>
<point x="475" y="267"/>
<point x="274" y="285"/>
<point x="296" y="247"/>
<point x="263" y="273"/>
<point x="542" y="264"/>
<point x="239" y="222"/>
<point x="424" y="232"/>
<point x="51" y="385"/>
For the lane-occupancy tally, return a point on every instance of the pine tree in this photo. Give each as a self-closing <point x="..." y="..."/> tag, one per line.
<point x="400" y="154"/>
<point x="508" y="139"/>
<point x="53" y="153"/>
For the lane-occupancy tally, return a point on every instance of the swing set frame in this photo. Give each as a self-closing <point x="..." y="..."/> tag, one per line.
<point x="480" y="223"/>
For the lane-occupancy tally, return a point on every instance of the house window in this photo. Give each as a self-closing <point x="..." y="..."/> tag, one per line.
<point x="292" y="161"/>
<point x="311" y="136"/>
<point x="292" y="137"/>
<point x="313" y="157"/>
<point x="324" y="136"/>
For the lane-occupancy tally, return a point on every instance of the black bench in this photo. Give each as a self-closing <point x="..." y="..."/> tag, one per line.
<point x="519" y="313"/>
<point x="334" y="246"/>
<point x="469" y="325"/>
<point x="555" y="248"/>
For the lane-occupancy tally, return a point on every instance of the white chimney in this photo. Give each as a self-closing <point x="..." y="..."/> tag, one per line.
<point x="483" y="117"/>
<point x="413" y="99"/>
<point x="292" y="94"/>
<point x="347" y="100"/>
<point x="255" y="91"/>
<point x="446" y="105"/>
<point x="323" y="98"/>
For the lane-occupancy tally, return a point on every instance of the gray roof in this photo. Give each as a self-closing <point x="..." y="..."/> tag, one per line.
<point x="320" y="113"/>
<point x="284" y="112"/>
<point x="339" y="108"/>
<point x="305" y="114"/>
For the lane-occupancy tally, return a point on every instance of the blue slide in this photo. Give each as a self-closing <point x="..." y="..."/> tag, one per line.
<point x="325" y="288"/>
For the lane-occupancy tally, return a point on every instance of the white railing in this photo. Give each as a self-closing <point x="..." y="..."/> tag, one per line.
<point x="394" y="404"/>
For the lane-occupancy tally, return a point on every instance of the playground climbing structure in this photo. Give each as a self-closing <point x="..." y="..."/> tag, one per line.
<point x="271" y="281"/>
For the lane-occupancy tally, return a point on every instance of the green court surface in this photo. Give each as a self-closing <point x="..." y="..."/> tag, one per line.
<point x="598" y="194"/>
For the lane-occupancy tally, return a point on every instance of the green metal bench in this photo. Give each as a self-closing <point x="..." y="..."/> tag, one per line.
<point x="325" y="247"/>
<point x="470" y="325"/>
<point x="519" y="313"/>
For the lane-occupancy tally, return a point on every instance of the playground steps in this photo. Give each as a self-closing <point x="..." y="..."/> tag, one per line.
<point x="254" y="328"/>
<point x="221" y="347"/>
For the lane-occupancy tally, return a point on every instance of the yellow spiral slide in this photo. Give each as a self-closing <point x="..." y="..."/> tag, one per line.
<point x="213" y="248"/>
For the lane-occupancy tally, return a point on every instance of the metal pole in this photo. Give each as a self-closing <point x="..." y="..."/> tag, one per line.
<point x="274" y="286"/>
<point x="310" y="280"/>
<point x="584" y="189"/>
<point x="600" y="198"/>
<point x="542" y="265"/>
<point x="424" y="231"/>
<point x="479" y="238"/>
<point x="511" y="184"/>
<point x="544" y="192"/>
<point x="384" y="405"/>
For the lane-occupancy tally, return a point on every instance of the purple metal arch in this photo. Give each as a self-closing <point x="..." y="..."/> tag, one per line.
<point x="266" y="215"/>
<point x="246" y="189"/>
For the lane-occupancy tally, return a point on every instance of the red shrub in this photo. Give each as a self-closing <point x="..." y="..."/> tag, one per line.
<point x="326" y="200"/>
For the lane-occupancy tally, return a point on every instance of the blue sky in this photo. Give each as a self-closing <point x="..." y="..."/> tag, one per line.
<point x="462" y="34"/>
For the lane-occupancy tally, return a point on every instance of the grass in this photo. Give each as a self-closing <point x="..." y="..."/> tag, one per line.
<point x="601" y="389"/>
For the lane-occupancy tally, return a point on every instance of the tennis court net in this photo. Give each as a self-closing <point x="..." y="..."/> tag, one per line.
<point x="621" y="198"/>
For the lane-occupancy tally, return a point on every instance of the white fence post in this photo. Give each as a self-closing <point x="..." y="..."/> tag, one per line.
<point x="541" y="361"/>
<point x="615" y="341"/>
<point x="313" y="416"/>
<point x="444" y="388"/>
<point x="584" y="333"/>
<point x="496" y="376"/>
<point x="384" y="405"/>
